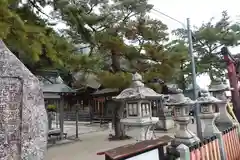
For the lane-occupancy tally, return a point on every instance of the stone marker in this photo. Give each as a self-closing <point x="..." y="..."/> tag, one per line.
<point x="23" y="118"/>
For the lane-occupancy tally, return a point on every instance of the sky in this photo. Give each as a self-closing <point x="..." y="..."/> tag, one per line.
<point x="198" y="11"/>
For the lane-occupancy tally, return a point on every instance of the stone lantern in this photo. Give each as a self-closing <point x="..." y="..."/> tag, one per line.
<point x="137" y="100"/>
<point x="208" y="114"/>
<point x="218" y="90"/>
<point x="181" y="107"/>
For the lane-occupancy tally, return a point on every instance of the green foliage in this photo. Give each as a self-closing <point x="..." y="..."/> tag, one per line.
<point x="29" y="37"/>
<point x="85" y="63"/>
<point x="51" y="107"/>
<point x="155" y="87"/>
<point x="106" y="34"/>
<point x="208" y="39"/>
<point x="119" y="80"/>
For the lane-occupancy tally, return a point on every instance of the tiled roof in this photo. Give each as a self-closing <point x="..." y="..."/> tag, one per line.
<point x="57" y="88"/>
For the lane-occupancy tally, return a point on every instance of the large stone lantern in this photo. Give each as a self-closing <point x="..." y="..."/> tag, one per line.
<point x="218" y="90"/>
<point x="137" y="100"/>
<point x="181" y="107"/>
<point x="208" y="114"/>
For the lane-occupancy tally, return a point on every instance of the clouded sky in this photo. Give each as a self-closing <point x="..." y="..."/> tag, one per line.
<point x="197" y="10"/>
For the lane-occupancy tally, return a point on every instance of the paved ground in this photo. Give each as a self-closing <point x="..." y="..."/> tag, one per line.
<point x="90" y="144"/>
<point x="83" y="128"/>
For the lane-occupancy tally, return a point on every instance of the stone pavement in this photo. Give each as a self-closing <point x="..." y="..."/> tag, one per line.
<point x="91" y="143"/>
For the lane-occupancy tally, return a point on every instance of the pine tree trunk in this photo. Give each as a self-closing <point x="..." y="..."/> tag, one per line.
<point x="115" y="61"/>
<point x="119" y="109"/>
<point x="118" y="127"/>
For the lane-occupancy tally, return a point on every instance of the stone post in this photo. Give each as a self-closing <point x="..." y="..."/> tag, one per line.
<point x="24" y="123"/>
<point x="217" y="88"/>
<point x="184" y="152"/>
<point x="110" y="128"/>
<point x="181" y="109"/>
<point x="50" y="118"/>
<point x="221" y="144"/>
<point x="208" y="114"/>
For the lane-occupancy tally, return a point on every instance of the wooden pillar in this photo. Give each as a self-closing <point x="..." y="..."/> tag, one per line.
<point x="99" y="111"/>
<point x="58" y="115"/>
<point x="95" y="107"/>
<point x="61" y="116"/>
<point x="77" y="119"/>
<point x="91" y="104"/>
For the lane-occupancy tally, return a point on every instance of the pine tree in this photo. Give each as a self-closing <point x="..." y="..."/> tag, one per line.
<point x="207" y="42"/>
<point x="30" y="37"/>
<point x="106" y="31"/>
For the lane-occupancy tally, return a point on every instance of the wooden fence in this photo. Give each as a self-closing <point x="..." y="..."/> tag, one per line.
<point x="231" y="143"/>
<point x="82" y="116"/>
<point x="221" y="146"/>
<point x="206" y="150"/>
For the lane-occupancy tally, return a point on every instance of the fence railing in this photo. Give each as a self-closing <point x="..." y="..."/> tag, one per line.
<point x="82" y="116"/>
<point x="221" y="146"/>
<point x="208" y="149"/>
<point x="231" y="143"/>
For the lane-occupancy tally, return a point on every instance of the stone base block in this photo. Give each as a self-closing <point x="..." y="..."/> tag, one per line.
<point x="186" y="141"/>
<point x="140" y="133"/>
<point x="165" y="124"/>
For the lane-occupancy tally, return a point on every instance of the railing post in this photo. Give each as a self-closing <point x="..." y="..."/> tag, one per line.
<point x="221" y="145"/>
<point x="184" y="152"/>
<point x="238" y="129"/>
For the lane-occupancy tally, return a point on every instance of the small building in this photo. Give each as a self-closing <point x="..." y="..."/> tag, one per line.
<point x="102" y="105"/>
<point x="54" y="90"/>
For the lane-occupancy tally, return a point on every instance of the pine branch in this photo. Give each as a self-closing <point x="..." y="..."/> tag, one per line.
<point x="34" y="5"/>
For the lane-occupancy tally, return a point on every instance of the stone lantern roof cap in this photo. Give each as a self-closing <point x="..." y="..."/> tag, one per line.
<point x="208" y="99"/>
<point x="178" y="99"/>
<point x="217" y="85"/>
<point x="137" y="91"/>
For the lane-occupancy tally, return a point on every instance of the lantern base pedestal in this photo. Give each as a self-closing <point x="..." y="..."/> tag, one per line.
<point x="172" y="149"/>
<point x="184" y="135"/>
<point x="187" y="141"/>
<point x="224" y="120"/>
<point x="223" y="126"/>
<point x="165" y="124"/>
<point x="140" y="128"/>
<point x="208" y="120"/>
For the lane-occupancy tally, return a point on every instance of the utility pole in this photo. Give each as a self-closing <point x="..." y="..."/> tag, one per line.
<point x="194" y="83"/>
